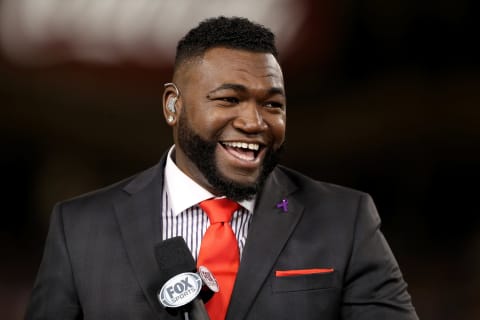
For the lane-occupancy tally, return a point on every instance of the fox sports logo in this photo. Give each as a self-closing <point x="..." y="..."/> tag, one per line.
<point x="180" y="290"/>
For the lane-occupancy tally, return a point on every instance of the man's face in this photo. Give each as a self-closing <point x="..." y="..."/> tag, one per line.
<point x="231" y="120"/>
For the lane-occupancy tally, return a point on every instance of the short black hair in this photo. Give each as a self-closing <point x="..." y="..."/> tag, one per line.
<point x="229" y="32"/>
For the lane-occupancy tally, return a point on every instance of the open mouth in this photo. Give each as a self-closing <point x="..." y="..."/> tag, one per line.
<point x="243" y="150"/>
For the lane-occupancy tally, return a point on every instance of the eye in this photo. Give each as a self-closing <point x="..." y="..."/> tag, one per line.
<point x="231" y="100"/>
<point x="274" y="105"/>
<point x="227" y="101"/>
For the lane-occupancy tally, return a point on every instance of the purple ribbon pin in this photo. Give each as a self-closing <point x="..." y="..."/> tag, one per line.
<point x="283" y="205"/>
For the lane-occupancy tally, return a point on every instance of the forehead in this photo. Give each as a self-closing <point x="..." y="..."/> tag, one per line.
<point x="222" y="65"/>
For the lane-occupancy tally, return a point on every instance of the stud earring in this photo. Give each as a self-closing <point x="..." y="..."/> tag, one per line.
<point x="170" y="118"/>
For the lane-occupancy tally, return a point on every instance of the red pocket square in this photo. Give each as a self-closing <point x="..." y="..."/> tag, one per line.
<point x="297" y="272"/>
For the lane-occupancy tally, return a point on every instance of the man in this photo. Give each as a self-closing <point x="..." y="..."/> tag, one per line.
<point x="307" y="249"/>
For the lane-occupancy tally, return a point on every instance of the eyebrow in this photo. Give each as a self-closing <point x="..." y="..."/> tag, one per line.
<point x="242" y="88"/>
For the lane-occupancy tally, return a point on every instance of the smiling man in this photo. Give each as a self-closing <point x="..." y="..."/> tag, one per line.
<point x="281" y="245"/>
<point x="231" y="119"/>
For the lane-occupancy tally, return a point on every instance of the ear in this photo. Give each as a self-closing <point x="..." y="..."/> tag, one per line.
<point x="170" y="105"/>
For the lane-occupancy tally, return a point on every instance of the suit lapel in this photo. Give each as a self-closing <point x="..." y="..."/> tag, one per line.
<point x="139" y="218"/>
<point x="270" y="229"/>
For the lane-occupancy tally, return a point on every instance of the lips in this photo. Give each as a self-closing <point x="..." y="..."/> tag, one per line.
<point x="242" y="150"/>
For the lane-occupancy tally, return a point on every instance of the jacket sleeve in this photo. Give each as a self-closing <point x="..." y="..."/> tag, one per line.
<point x="374" y="287"/>
<point x="54" y="294"/>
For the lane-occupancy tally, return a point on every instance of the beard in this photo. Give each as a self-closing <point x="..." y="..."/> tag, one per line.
<point x="202" y="153"/>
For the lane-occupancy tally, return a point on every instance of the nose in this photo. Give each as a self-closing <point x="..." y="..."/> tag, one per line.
<point x="249" y="119"/>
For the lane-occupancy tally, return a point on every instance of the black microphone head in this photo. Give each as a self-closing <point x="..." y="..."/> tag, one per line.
<point x="181" y="285"/>
<point x="174" y="257"/>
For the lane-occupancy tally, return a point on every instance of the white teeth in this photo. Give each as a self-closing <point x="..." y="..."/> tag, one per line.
<point x="244" y="145"/>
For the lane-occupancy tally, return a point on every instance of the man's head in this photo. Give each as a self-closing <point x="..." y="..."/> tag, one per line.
<point x="228" y="116"/>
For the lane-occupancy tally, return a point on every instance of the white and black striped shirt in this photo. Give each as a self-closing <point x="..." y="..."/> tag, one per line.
<point x="181" y="215"/>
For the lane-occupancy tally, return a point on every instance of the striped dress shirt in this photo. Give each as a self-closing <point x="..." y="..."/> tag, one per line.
<point x="182" y="216"/>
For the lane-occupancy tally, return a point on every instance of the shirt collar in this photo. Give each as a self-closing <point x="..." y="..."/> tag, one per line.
<point x="183" y="192"/>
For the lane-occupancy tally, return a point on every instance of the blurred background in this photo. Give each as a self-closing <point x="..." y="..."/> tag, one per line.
<point x="383" y="96"/>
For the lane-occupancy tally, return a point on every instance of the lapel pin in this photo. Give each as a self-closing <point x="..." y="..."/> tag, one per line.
<point x="283" y="205"/>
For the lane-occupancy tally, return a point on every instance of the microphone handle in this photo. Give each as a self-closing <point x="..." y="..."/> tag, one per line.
<point x="198" y="311"/>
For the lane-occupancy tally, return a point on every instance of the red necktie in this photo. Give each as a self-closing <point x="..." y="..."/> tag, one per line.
<point x="219" y="253"/>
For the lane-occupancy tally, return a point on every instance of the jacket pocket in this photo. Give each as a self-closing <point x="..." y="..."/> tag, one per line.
<point x="298" y="272"/>
<point x="303" y="280"/>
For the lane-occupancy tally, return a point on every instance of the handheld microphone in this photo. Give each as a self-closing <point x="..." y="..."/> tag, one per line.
<point x="181" y="285"/>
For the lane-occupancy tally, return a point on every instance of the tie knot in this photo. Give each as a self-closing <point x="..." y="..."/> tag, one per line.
<point x="219" y="210"/>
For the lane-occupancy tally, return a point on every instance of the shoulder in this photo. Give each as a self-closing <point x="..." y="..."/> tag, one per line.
<point x="327" y="199"/>
<point x="308" y="185"/>
<point x="338" y="208"/>
<point x="103" y="199"/>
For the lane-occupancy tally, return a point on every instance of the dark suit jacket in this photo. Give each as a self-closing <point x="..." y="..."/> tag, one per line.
<point x="99" y="258"/>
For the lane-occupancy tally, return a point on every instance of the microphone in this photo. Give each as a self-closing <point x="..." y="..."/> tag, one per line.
<point x="181" y="285"/>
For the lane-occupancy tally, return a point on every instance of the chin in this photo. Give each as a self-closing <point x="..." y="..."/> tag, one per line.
<point x="234" y="187"/>
<point x="241" y="179"/>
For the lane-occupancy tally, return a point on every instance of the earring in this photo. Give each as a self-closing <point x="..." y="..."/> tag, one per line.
<point x="170" y="118"/>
